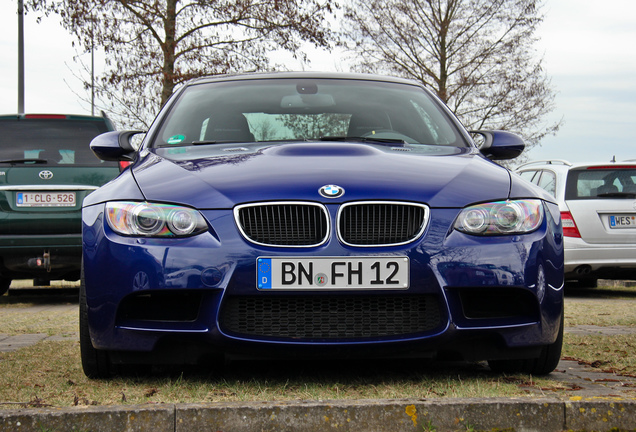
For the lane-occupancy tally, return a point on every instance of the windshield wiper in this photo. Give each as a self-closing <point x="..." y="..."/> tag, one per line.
<point x="195" y="143"/>
<point x="22" y="161"/>
<point x="390" y="141"/>
<point x="285" y="140"/>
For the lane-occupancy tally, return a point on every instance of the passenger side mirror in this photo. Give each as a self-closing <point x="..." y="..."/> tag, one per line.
<point x="498" y="145"/>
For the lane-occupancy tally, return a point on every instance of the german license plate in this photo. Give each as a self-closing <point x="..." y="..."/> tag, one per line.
<point x="332" y="273"/>
<point x="622" y="221"/>
<point x="45" y="199"/>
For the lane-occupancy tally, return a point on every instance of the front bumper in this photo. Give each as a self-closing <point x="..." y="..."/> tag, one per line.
<point x="148" y="295"/>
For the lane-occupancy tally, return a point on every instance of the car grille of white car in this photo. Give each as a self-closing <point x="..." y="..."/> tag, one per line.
<point x="329" y="317"/>
<point x="307" y="224"/>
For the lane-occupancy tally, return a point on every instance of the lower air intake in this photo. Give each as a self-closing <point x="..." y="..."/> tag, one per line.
<point x="324" y="317"/>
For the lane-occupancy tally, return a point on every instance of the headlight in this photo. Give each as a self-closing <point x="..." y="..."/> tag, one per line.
<point x="153" y="220"/>
<point x="502" y="217"/>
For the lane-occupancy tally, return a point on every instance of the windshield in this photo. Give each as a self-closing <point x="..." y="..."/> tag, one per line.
<point x="601" y="182"/>
<point x="49" y="142"/>
<point x="265" y="110"/>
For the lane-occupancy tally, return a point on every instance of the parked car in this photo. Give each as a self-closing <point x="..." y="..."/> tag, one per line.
<point x="316" y="215"/>
<point x="46" y="170"/>
<point x="598" y="207"/>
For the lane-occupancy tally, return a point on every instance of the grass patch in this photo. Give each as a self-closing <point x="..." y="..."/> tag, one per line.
<point x="49" y="313"/>
<point x="51" y="321"/>
<point x="604" y="306"/>
<point x="606" y="312"/>
<point x="613" y="354"/>
<point x="615" y="291"/>
<point x="49" y="374"/>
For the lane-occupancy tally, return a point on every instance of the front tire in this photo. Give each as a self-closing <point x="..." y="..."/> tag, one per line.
<point x="542" y="365"/>
<point x="95" y="363"/>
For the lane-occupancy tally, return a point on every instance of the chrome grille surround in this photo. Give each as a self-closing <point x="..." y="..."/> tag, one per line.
<point x="381" y="223"/>
<point x="284" y="223"/>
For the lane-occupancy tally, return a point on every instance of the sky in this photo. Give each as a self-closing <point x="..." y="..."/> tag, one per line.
<point x="588" y="49"/>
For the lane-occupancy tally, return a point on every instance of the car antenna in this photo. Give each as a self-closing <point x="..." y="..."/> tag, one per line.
<point x="613" y="158"/>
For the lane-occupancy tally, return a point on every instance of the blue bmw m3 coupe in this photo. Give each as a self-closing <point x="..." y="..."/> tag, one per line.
<point x="311" y="215"/>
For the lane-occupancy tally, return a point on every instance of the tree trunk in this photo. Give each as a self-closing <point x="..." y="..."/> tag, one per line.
<point x="169" y="48"/>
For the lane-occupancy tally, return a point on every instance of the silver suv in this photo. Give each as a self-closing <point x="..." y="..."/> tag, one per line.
<point x="598" y="209"/>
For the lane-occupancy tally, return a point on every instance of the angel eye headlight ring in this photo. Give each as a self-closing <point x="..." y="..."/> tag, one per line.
<point x="147" y="219"/>
<point x="501" y="217"/>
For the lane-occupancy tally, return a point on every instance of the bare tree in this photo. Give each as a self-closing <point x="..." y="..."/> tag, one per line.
<point x="477" y="55"/>
<point x="153" y="46"/>
<point x="263" y="130"/>
<point x="316" y="126"/>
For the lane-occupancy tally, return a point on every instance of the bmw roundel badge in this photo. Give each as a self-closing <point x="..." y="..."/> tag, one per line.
<point x="331" y="191"/>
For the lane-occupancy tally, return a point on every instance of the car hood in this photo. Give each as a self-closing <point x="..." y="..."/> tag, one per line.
<point x="447" y="177"/>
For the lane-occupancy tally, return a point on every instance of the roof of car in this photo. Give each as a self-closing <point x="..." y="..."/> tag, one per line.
<point x="51" y="116"/>
<point x="556" y="163"/>
<point x="303" y="75"/>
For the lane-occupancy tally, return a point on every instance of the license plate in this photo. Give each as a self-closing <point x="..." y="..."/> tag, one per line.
<point x="332" y="273"/>
<point x="45" y="199"/>
<point x="622" y="221"/>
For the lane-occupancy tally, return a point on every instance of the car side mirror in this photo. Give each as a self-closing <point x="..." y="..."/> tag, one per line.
<point x="498" y="145"/>
<point x="115" y="145"/>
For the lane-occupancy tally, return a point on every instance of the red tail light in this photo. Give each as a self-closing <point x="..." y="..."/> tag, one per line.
<point x="569" y="226"/>
<point x="612" y="167"/>
<point x="123" y="165"/>
<point x="45" y="116"/>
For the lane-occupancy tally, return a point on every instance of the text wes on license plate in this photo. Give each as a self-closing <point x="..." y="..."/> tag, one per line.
<point x="330" y="273"/>
<point x="45" y="199"/>
<point x="622" y="221"/>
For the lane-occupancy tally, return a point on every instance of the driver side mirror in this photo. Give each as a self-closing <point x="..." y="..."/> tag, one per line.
<point x="116" y="145"/>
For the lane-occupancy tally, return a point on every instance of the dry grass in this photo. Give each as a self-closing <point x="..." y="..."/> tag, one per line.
<point x="50" y="322"/>
<point x="601" y="313"/>
<point x="48" y="314"/>
<point x="49" y="374"/>
<point x="28" y="283"/>
<point x="603" y="306"/>
<point x="614" y="354"/>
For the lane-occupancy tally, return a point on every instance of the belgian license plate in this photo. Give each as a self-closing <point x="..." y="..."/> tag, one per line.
<point x="332" y="273"/>
<point x="45" y="199"/>
<point x="622" y="221"/>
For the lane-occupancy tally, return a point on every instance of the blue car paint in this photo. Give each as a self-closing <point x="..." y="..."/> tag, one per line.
<point x="446" y="181"/>
<point x="224" y="249"/>
<point x="221" y="261"/>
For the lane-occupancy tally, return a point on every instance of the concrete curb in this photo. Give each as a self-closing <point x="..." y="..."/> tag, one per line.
<point x="501" y="414"/>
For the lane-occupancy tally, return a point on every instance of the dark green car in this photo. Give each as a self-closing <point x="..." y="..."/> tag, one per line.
<point x="46" y="170"/>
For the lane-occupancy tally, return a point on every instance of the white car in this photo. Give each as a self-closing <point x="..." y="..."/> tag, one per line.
<point x="598" y="209"/>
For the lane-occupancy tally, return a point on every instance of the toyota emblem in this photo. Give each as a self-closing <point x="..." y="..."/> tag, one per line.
<point x="46" y="175"/>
